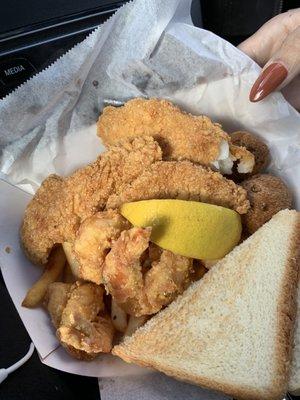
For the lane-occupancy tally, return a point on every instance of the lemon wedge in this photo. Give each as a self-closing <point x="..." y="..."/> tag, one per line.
<point x="188" y="228"/>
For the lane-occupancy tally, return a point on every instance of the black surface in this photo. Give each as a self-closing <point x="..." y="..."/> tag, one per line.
<point x="17" y="14"/>
<point x="34" y="380"/>
<point x="236" y="20"/>
<point x="289" y="4"/>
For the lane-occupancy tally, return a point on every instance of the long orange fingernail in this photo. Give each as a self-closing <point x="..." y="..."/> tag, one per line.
<point x="268" y="81"/>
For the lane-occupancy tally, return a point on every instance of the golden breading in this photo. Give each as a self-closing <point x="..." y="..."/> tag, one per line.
<point x="186" y="181"/>
<point x="182" y="136"/>
<point x="56" y="299"/>
<point x="41" y="229"/>
<point x="83" y="331"/>
<point x="267" y="194"/>
<point x="93" y="241"/>
<point x="88" y="189"/>
<point x="143" y="293"/>
<point x="60" y="205"/>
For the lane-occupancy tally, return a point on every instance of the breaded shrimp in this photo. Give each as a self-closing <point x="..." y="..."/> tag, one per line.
<point x="93" y="241"/>
<point x="183" y="180"/>
<point x="143" y="294"/>
<point x="182" y="136"/>
<point x="256" y="146"/>
<point x="83" y="330"/>
<point x="60" y="205"/>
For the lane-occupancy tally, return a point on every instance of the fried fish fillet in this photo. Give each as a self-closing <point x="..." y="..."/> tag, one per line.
<point x="183" y="180"/>
<point x="182" y="136"/>
<point x="40" y="228"/>
<point x="60" y="205"/>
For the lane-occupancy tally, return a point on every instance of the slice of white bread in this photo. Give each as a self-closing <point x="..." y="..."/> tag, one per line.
<point x="294" y="384"/>
<point x="231" y="331"/>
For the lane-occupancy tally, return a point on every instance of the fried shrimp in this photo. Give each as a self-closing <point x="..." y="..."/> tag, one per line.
<point x="256" y="146"/>
<point x="93" y="241"/>
<point x="61" y="204"/>
<point x="137" y="293"/>
<point x="183" y="180"/>
<point x="85" y="330"/>
<point x="56" y="299"/>
<point x="182" y="136"/>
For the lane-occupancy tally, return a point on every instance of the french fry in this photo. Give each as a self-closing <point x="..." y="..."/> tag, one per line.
<point x="52" y="271"/>
<point x="118" y="317"/>
<point x="68" y="276"/>
<point x="134" y="323"/>
<point x="68" y="249"/>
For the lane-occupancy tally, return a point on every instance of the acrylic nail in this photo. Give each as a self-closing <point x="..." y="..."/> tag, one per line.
<point x="268" y="81"/>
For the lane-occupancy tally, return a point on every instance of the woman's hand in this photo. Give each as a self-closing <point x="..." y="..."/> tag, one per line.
<point x="276" y="48"/>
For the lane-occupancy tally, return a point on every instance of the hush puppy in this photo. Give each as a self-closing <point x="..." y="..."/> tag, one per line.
<point x="267" y="194"/>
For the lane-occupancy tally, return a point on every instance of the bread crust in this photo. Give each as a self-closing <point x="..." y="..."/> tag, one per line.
<point x="236" y="391"/>
<point x="287" y="310"/>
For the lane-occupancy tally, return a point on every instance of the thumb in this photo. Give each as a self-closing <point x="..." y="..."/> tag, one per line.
<point x="281" y="69"/>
